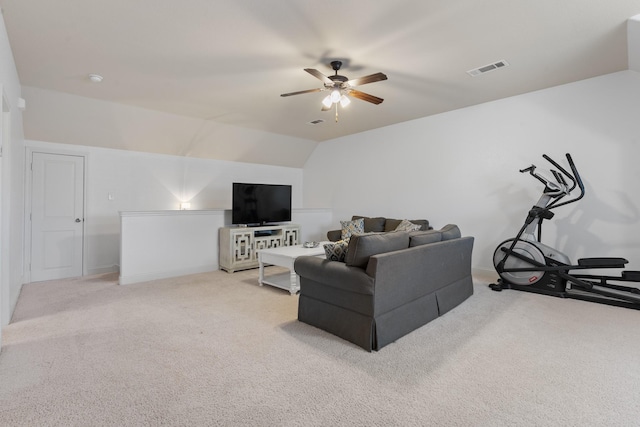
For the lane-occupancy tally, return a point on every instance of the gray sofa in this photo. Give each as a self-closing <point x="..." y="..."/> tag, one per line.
<point x="389" y="285"/>
<point x="378" y="225"/>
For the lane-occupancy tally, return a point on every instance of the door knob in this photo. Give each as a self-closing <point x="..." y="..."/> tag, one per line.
<point x="77" y="219"/>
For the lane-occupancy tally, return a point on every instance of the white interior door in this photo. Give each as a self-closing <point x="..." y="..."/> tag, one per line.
<point x="57" y="216"/>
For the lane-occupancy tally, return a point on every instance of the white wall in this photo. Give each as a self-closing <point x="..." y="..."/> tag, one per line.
<point x="462" y="167"/>
<point x="146" y="182"/>
<point x="69" y="119"/>
<point x="11" y="195"/>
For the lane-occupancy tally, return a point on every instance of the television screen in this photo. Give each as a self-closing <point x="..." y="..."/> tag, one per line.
<point x="257" y="204"/>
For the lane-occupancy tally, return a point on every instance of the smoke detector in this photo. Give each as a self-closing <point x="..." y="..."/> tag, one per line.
<point x="95" y="78"/>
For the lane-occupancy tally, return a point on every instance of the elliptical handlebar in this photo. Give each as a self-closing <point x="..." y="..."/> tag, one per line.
<point x="560" y="188"/>
<point x="574" y="177"/>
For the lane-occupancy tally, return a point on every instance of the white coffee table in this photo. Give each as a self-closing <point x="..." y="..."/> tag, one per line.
<point x="285" y="256"/>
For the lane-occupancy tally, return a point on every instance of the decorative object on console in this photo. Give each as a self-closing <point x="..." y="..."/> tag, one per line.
<point x="310" y="245"/>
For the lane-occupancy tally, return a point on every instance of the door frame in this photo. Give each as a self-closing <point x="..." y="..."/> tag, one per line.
<point x="28" y="190"/>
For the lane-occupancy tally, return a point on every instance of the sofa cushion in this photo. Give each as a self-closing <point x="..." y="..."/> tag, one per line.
<point x="450" y="231"/>
<point x="372" y="225"/>
<point x="361" y="247"/>
<point x="424" y="237"/>
<point x="391" y="224"/>
<point x="349" y="228"/>
<point x="406" y="225"/>
<point x="336" y="251"/>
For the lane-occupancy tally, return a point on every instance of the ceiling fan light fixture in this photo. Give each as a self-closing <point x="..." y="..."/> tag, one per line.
<point x="335" y="96"/>
<point x="327" y="101"/>
<point x="344" y="101"/>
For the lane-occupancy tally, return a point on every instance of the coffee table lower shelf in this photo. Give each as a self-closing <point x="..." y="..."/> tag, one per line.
<point x="284" y="256"/>
<point x="283" y="281"/>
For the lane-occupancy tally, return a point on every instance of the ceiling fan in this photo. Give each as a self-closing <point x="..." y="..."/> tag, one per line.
<point x="340" y="87"/>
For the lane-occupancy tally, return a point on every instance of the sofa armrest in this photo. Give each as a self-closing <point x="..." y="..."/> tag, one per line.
<point x="334" y="274"/>
<point x="334" y="235"/>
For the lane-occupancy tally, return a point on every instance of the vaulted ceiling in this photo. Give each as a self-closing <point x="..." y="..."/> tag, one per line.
<point x="228" y="61"/>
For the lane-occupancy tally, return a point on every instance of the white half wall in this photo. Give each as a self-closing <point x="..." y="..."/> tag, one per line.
<point x="462" y="167"/>
<point x="120" y="180"/>
<point x="160" y="244"/>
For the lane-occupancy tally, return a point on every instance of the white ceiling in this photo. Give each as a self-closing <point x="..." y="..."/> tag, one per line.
<point x="229" y="60"/>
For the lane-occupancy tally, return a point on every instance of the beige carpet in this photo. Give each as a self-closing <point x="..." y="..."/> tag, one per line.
<point x="216" y="349"/>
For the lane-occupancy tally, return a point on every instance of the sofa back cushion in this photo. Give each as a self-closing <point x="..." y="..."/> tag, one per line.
<point x="391" y="224"/>
<point x="361" y="247"/>
<point x="371" y="225"/>
<point x="425" y="237"/>
<point x="450" y="231"/>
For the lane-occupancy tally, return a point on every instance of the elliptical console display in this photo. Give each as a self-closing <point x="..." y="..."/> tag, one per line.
<point x="525" y="263"/>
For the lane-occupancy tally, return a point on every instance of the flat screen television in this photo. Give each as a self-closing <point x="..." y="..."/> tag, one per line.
<point x="259" y="204"/>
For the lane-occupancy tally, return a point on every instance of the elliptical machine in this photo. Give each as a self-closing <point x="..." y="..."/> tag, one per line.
<point x="525" y="263"/>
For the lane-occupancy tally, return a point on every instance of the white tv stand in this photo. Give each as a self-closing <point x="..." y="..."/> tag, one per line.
<point x="239" y="245"/>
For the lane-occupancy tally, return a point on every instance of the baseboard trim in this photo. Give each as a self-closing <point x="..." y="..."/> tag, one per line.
<point x="137" y="278"/>
<point x="484" y="274"/>
<point x="102" y="270"/>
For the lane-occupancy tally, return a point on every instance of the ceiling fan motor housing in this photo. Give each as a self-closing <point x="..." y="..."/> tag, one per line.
<point x="337" y="80"/>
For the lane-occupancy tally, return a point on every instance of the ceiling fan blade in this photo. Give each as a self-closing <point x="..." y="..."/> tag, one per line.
<point x="366" y="79"/>
<point x="325" y="108"/>
<point x="302" y="91"/>
<point x="317" y="74"/>
<point x="365" y="96"/>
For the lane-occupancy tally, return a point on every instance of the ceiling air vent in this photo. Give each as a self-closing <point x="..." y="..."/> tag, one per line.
<point x="315" y="122"/>
<point x="487" y="68"/>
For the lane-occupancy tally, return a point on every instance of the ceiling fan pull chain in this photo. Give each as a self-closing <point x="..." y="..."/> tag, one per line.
<point x="336" y="113"/>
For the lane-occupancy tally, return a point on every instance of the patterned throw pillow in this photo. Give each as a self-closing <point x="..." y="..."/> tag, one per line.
<point x="406" y="225"/>
<point x="336" y="251"/>
<point x="350" y="228"/>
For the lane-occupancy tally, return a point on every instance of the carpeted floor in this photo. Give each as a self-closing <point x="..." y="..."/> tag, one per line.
<point x="216" y="349"/>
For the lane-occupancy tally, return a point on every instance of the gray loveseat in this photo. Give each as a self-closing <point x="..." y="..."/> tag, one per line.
<point x="389" y="285"/>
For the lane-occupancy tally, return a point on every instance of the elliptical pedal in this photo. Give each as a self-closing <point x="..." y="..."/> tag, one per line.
<point x="633" y="276"/>
<point x="602" y="262"/>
